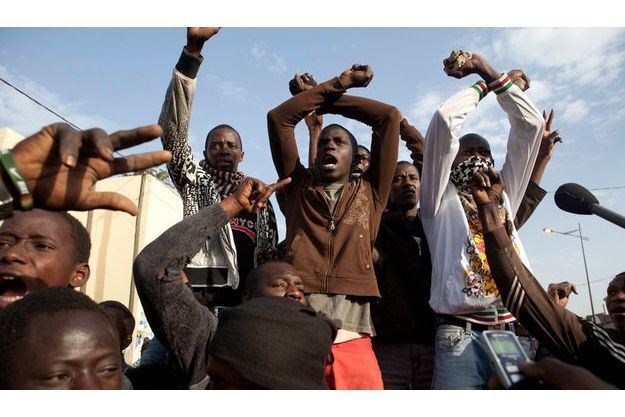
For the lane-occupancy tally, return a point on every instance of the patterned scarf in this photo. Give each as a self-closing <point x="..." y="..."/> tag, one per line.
<point x="462" y="175"/>
<point x="225" y="181"/>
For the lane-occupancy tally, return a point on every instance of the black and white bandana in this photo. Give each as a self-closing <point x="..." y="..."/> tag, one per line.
<point x="463" y="173"/>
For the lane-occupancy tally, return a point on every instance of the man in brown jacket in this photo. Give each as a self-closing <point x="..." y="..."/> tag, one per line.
<point x="332" y="219"/>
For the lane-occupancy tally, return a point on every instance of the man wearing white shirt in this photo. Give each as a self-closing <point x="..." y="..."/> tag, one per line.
<point x="463" y="293"/>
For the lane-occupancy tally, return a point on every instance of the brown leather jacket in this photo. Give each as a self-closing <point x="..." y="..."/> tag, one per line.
<point x="333" y="253"/>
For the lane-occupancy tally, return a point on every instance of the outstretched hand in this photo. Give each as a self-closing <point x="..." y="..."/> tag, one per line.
<point x="560" y="292"/>
<point x="356" y="76"/>
<point x="486" y="186"/>
<point x="563" y="375"/>
<point x="251" y="195"/>
<point x="61" y="165"/>
<point x="550" y="137"/>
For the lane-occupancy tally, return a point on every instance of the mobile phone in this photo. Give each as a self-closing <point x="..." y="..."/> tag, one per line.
<point x="506" y="354"/>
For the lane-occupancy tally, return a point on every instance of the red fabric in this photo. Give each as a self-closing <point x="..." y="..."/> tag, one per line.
<point x="354" y="366"/>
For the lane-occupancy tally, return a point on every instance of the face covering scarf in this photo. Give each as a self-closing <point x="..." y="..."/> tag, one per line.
<point x="462" y="175"/>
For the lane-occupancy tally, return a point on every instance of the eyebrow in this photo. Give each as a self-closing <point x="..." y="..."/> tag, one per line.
<point x="30" y="237"/>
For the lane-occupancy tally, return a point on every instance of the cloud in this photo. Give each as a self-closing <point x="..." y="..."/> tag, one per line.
<point x="587" y="56"/>
<point x="26" y="117"/>
<point x="574" y="111"/>
<point x="272" y="62"/>
<point x="423" y="109"/>
<point x="230" y="89"/>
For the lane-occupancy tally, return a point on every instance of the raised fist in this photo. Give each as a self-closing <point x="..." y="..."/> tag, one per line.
<point x="201" y="34"/>
<point x="301" y="83"/>
<point x="356" y="76"/>
<point x="460" y="63"/>
<point x="519" y="78"/>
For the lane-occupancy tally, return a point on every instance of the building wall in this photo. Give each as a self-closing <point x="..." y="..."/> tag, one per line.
<point x="118" y="237"/>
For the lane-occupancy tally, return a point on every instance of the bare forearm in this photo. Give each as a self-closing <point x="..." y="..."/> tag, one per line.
<point x="312" y="145"/>
<point x="539" y="169"/>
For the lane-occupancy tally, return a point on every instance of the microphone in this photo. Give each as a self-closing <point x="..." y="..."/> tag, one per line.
<point x="576" y="199"/>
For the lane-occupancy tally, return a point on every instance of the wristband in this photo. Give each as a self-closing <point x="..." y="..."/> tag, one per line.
<point x="6" y="202"/>
<point x="501" y="85"/>
<point x="25" y="200"/>
<point x="481" y="88"/>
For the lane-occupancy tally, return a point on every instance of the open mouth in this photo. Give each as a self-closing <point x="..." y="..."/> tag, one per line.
<point x="11" y="289"/>
<point x="329" y="162"/>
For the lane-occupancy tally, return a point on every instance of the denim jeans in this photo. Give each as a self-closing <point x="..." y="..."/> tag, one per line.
<point x="461" y="362"/>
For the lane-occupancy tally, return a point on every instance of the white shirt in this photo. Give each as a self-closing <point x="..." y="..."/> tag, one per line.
<point x="443" y="217"/>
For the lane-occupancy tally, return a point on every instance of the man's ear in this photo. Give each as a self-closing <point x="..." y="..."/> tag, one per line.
<point x="80" y="275"/>
<point x="247" y="295"/>
<point x="242" y="155"/>
<point x="205" y="155"/>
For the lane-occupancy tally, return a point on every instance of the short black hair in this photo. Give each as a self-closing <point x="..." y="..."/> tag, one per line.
<point x="364" y="148"/>
<point x="80" y="236"/>
<point x="352" y="140"/>
<point x="251" y="280"/>
<point x="218" y="127"/>
<point x="15" y="320"/>
<point x="127" y="319"/>
<point x="417" y="166"/>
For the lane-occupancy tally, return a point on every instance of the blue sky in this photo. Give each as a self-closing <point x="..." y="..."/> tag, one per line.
<point x="116" y="78"/>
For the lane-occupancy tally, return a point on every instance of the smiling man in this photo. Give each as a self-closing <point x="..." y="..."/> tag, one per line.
<point x="41" y="249"/>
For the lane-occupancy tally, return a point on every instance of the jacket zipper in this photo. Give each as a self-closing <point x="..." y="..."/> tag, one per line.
<point x="330" y="252"/>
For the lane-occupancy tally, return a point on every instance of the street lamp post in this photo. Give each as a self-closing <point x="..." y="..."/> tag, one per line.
<point x="581" y="241"/>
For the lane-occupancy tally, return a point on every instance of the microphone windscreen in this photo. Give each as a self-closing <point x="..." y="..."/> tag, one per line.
<point x="574" y="198"/>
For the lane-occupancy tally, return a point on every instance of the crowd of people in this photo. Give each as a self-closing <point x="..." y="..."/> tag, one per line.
<point x="388" y="275"/>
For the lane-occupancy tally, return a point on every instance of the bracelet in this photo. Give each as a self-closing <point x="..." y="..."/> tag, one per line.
<point x="481" y="88"/>
<point x="501" y="85"/>
<point x="6" y="202"/>
<point x="25" y="200"/>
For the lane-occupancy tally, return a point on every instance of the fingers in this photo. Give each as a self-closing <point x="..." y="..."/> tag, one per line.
<point x="98" y="142"/>
<point x="138" y="162"/>
<point x="127" y="138"/>
<point x="281" y="184"/>
<point x="70" y="142"/>
<point x="109" y="201"/>
<point x="549" y="120"/>
<point x="574" y="288"/>
<point x="554" y="136"/>
<point x="532" y="370"/>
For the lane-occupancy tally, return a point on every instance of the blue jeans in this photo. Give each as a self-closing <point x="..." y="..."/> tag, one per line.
<point x="461" y="361"/>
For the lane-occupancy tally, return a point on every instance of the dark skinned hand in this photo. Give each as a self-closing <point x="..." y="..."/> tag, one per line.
<point x="560" y="292"/>
<point x="251" y="196"/>
<point x="356" y="76"/>
<point x="61" y="165"/>
<point x="486" y="186"/>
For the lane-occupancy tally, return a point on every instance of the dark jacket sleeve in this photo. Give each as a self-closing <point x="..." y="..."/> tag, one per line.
<point x="282" y="120"/>
<point x="177" y="319"/>
<point x="566" y="335"/>
<point x="384" y="121"/>
<point x="533" y="196"/>
<point x="414" y="142"/>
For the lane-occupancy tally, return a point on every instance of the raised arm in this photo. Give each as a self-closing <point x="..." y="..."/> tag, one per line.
<point x="441" y="138"/>
<point x="175" y="316"/>
<point x="282" y="120"/>
<point x="568" y="336"/>
<point x="176" y="111"/>
<point x="384" y="120"/>
<point x="314" y="121"/>
<point x="414" y="140"/>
